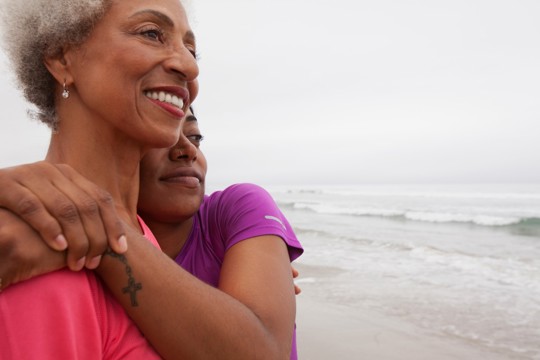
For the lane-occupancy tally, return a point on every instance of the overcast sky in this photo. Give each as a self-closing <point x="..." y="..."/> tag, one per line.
<point x="354" y="91"/>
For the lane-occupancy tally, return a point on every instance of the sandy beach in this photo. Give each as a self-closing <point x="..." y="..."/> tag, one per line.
<point x="328" y="330"/>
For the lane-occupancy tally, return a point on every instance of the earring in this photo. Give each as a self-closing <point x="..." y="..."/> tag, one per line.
<point x="65" y="93"/>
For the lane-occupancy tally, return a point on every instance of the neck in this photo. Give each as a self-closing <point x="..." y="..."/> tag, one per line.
<point x="103" y="156"/>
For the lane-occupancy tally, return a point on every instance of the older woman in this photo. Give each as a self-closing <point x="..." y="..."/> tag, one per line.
<point x="251" y="315"/>
<point x="93" y="69"/>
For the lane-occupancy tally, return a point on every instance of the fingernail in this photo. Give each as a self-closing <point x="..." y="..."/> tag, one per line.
<point x="94" y="263"/>
<point x="80" y="264"/>
<point x="122" y="244"/>
<point x="61" y="242"/>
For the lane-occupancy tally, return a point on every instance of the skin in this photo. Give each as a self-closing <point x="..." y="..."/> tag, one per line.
<point x="252" y="313"/>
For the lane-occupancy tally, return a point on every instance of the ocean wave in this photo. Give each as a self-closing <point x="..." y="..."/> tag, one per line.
<point x="431" y="216"/>
<point x="442" y="217"/>
<point x="470" y="192"/>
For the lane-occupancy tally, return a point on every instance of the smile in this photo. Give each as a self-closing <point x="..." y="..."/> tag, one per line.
<point x="189" y="181"/>
<point x="165" y="97"/>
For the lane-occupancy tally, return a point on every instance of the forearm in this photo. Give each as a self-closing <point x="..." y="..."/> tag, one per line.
<point x="182" y="316"/>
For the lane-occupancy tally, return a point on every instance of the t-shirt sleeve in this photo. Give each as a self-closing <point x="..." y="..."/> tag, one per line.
<point x="247" y="211"/>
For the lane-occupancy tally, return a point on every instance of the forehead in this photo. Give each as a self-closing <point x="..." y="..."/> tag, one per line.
<point x="171" y="12"/>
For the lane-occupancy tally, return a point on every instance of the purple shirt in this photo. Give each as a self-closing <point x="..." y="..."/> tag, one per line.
<point x="225" y="218"/>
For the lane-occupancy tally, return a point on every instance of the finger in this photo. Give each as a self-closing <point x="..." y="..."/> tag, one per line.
<point x="94" y="242"/>
<point x="82" y="223"/>
<point x="295" y="272"/>
<point x="100" y="216"/>
<point x="17" y="198"/>
<point x="60" y="198"/>
<point x="66" y="212"/>
<point x="28" y="206"/>
<point x="80" y="217"/>
<point x="90" y="216"/>
<point x="61" y="212"/>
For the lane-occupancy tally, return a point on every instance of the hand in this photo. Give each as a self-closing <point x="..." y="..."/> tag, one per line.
<point x="23" y="254"/>
<point x="295" y="274"/>
<point x="68" y="211"/>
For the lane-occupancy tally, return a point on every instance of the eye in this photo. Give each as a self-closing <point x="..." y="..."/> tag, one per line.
<point x="194" y="53"/>
<point x="153" y="33"/>
<point x="196" y="139"/>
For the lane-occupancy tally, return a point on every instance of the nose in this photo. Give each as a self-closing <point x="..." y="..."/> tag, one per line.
<point x="182" y="62"/>
<point x="184" y="150"/>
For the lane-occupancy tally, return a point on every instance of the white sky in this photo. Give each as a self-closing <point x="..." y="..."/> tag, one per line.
<point x="355" y="91"/>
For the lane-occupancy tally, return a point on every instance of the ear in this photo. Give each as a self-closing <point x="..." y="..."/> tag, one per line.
<point x="59" y="66"/>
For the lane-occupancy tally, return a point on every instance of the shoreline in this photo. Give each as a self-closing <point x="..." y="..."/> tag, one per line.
<point x="327" y="330"/>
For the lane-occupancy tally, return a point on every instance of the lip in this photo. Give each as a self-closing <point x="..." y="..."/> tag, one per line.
<point x="179" y="91"/>
<point x="185" y="176"/>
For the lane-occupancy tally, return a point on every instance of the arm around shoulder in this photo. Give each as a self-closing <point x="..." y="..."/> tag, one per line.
<point x="184" y="317"/>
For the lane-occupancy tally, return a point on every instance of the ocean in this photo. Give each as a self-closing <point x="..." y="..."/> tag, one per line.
<point x="460" y="261"/>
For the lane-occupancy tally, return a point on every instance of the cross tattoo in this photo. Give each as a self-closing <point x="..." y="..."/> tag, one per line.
<point x="133" y="286"/>
<point x="132" y="289"/>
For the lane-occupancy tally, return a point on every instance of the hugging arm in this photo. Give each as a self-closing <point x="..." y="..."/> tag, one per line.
<point x="250" y="316"/>
<point x="68" y="211"/>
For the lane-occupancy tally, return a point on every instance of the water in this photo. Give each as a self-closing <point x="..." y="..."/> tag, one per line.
<point x="460" y="261"/>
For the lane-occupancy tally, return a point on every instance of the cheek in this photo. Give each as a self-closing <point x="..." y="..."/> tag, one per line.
<point x="150" y="170"/>
<point x="203" y="164"/>
<point x="134" y="63"/>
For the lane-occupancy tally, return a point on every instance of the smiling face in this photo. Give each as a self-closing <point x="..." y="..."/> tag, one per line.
<point x="172" y="180"/>
<point x="136" y="72"/>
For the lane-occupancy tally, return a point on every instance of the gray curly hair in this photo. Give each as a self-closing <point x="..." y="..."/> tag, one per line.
<point x="35" y="29"/>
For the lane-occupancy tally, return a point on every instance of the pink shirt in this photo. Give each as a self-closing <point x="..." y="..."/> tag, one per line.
<point x="67" y="315"/>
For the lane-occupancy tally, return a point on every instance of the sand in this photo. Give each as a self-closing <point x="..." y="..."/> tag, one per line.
<point x="328" y="331"/>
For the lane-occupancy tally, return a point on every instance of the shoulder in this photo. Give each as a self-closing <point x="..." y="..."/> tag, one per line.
<point x="240" y="202"/>
<point x="244" y="211"/>
<point x="245" y="193"/>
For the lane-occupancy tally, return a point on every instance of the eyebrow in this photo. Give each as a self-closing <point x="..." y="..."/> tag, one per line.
<point x="161" y="16"/>
<point x="190" y="36"/>
<point x="164" y="18"/>
<point x="191" y="118"/>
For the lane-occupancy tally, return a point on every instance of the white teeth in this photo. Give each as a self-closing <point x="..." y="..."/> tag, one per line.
<point x="165" y="97"/>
